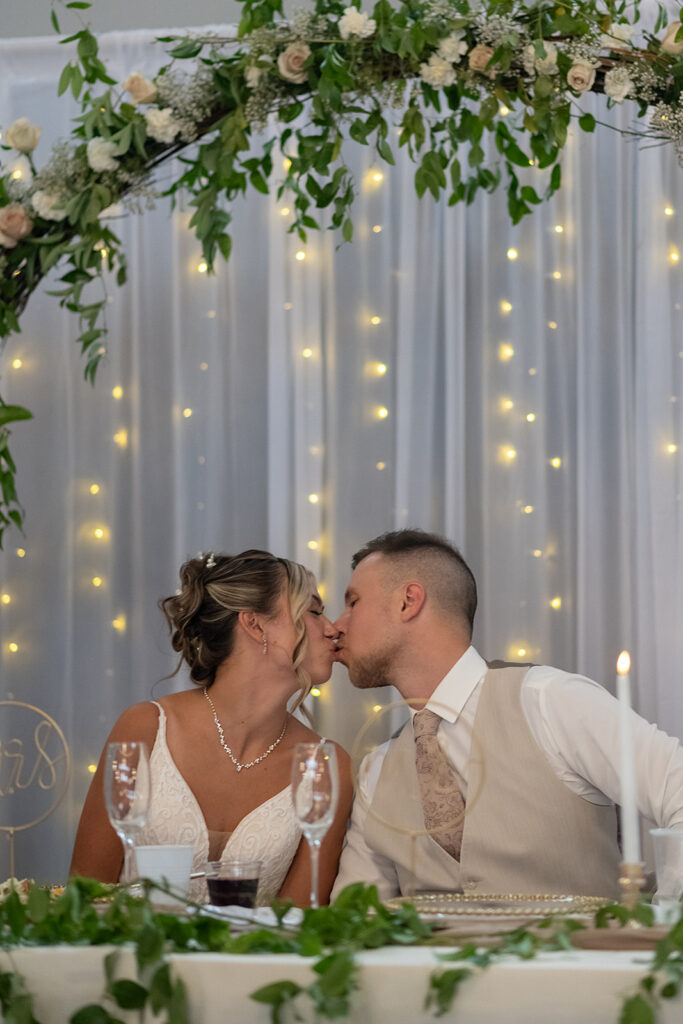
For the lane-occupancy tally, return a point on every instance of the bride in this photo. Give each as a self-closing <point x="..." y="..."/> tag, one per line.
<point x="252" y="630"/>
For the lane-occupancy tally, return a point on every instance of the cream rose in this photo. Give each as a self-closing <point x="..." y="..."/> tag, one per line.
<point x="141" y="88"/>
<point x="438" y="72"/>
<point x="22" y="135"/>
<point x="452" y="47"/>
<point x="618" y="84"/>
<point x="15" y="224"/>
<point x="543" y="65"/>
<point x="580" y="77"/>
<point x="161" y="124"/>
<point x="669" y="43"/>
<point x="101" y="155"/>
<point x="479" y="58"/>
<point x="291" y="62"/>
<point x="356" y="23"/>
<point x="46" y="205"/>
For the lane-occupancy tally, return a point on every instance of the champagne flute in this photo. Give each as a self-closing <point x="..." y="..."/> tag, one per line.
<point x="315" y="791"/>
<point x="127" y="794"/>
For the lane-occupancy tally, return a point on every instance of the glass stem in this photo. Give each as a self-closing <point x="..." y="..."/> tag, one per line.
<point x="314" y="845"/>
<point x="129" y="864"/>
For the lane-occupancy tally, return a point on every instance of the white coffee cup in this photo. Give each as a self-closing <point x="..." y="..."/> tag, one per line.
<point x="166" y="864"/>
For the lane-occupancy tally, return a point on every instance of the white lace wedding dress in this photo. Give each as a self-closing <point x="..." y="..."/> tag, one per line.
<point x="269" y="833"/>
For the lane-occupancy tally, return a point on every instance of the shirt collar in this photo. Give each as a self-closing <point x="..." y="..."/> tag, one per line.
<point x="455" y="689"/>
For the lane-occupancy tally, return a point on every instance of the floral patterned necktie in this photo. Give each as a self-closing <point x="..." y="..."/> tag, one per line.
<point x="442" y="801"/>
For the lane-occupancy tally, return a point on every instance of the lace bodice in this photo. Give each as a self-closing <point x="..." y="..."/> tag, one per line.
<point x="269" y="833"/>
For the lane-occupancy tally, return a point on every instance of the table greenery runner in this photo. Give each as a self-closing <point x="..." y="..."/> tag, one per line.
<point x="478" y="89"/>
<point x="31" y="916"/>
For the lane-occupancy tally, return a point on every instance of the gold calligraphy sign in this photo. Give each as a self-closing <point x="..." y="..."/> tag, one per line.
<point x="35" y="765"/>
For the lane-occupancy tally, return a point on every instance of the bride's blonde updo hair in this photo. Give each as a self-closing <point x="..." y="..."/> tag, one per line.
<point x="214" y="589"/>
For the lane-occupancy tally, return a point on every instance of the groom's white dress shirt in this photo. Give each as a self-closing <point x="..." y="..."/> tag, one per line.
<point x="575" y="723"/>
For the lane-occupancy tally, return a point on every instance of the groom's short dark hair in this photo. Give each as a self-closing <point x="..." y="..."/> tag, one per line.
<point x="431" y="556"/>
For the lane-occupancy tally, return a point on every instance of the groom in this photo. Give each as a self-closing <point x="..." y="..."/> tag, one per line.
<point x="505" y="778"/>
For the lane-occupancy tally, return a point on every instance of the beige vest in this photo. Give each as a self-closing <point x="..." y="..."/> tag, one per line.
<point x="524" y="832"/>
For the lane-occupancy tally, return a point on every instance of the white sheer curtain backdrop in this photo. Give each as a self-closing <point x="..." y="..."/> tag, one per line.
<point x="529" y="408"/>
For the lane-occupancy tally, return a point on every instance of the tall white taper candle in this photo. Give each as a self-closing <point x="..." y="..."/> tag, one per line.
<point x="630" y="835"/>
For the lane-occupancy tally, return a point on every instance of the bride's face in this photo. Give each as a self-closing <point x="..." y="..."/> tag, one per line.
<point x="320" y="646"/>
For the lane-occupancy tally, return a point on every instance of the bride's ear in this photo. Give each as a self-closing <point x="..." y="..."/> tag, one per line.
<point x="253" y="625"/>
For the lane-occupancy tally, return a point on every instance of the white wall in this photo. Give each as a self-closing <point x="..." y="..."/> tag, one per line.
<point x="32" y="17"/>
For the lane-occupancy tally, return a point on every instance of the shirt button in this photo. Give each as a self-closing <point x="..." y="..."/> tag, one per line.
<point x="470" y="883"/>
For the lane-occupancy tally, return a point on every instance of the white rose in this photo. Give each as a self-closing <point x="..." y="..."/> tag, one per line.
<point x="617" y="37"/>
<point x="22" y="135"/>
<point x="669" y="43"/>
<point x="543" y="65"/>
<point x="581" y="76"/>
<point x="46" y="205"/>
<point x="141" y="89"/>
<point x="452" y="48"/>
<point x="101" y="155"/>
<point x="438" y="72"/>
<point x="479" y="58"/>
<point x="161" y="124"/>
<point x="356" y="23"/>
<point x="291" y="62"/>
<point x="618" y="84"/>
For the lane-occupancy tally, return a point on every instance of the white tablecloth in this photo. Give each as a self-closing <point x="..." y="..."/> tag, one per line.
<point x="554" y="988"/>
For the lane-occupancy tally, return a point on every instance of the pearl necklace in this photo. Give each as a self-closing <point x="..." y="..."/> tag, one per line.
<point x="226" y="748"/>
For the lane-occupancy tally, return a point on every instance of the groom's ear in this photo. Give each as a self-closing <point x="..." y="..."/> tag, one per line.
<point x="412" y="600"/>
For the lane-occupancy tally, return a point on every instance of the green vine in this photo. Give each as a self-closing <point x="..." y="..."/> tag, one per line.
<point x="88" y="912"/>
<point x="450" y="74"/>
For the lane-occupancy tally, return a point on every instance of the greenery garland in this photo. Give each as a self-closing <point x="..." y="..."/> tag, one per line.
<point x="449" y="72"/>
<point x="87" y="912"/>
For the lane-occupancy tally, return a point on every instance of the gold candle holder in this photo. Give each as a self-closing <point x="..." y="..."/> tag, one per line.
<point x="631" y="882"/>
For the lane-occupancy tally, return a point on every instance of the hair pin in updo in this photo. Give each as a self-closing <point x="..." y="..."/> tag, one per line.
<point x="211" y="561"/>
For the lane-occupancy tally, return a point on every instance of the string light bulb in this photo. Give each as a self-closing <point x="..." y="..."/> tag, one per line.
<point x="512" y="254"/>
<point x="21" y="553"/>
<point x="537" y="553"/>
<point x="527" y="510"/>
<point x="307" y="353"/>
<point x="669" y="211"/>
<point x="97" y="582"/>
<point x="119" y="623"/>
<point x="381" y="412"/>
<point x="94" y="488"/>
<point x="117" y="392"/>
<point x="284" y="212"/>
<point x="380" y="369"/>
<point x="315" y="691"/>
<point x="187" y="413"/>
<point x="556" y="603"/>
<point x="202" y="267"/>
<point x="377" y="708"/>
<point x="376" y="228"/>
<point x="674" y="256"/>
<point x="375" y="320"/>
<point x="17" y="364"/>
<point x="505" y="307"/>
<point x="552" y="324"/>
<point x="92" y="768"/>
<point x="530" y="417"/>
<point x="672" y="448"/>
<point x="300" y="255"/>
<point x="557" y="275"/>
<point x="98" y="532"/>
<point x="377" y="177"/>
<point x="505" y="352"/>
<point x="556" y="462"/>
<point x="313" y="545"/>
<point x="12" y="647"/>
<point x="380" y="466"/>
<point x="314" y="498"/>
<point x="559" y="230"/>
<point x="506" y="404"/>
<point x="121" y="438"/>
<point x="5" y="598"/>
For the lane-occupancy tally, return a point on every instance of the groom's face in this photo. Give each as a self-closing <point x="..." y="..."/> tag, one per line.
<point x="366" y="644"/>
